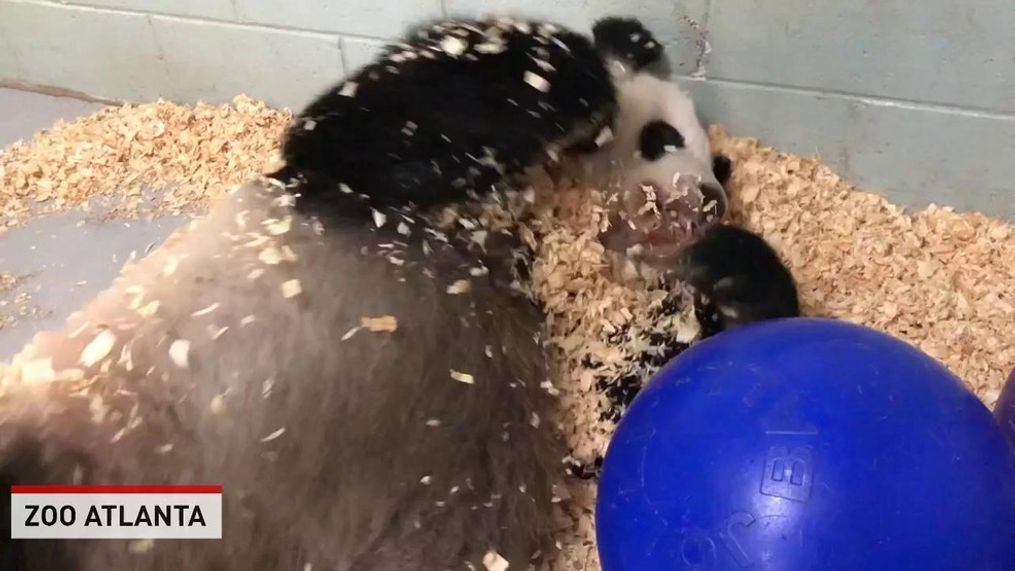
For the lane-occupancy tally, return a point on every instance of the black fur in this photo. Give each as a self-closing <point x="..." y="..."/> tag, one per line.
<point x="658" y="138"/>
<point x="722" y="168"/>
<point x="458" y="107"/>
<point x="628" y="40"/>
<point x="738" y="278"/>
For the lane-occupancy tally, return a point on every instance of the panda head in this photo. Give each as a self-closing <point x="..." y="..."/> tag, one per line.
<point x="667" y="187"/>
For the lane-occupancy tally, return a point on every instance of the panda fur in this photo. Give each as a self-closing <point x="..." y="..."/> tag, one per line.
<point x="247" y="349"/>
<point x="459" y="106"/>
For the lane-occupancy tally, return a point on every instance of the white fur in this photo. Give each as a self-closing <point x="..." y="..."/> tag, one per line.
<point x="641" y="99"/>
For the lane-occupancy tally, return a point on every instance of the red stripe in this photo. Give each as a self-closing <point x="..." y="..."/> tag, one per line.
<point x="116" y="489"/>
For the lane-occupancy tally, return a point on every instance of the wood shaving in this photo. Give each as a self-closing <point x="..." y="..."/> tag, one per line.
<point x="459" y="287"/>
<point x="188" y="153"/>
<point x="270" y="256"/>
<point x="279" y="227"/>
<point x="291" y="288"/>
<point x="494" y="562"/>
<point x="537" y="81"/>
<point x="38" y="370"/>
<point x="170" y="267"/>
<point x="453" y="46"/>
<point x="605" y="136"/>
<point x="206" y="310"/>
<point x="98" y="348"/>
<point x="179" y="353"/>
<point x="385" y="323"/>
<point x="274" y="435"/>
<point x="348" y="89"/>
<point x="149" y="309"/>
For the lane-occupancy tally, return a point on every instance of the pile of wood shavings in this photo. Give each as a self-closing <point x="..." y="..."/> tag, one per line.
<point x="610" y="327"/>
<point x="185" y="152"/>
<point x="938" y="279"/>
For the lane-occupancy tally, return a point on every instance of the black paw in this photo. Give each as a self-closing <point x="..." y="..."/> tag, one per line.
<point x="738" y="278"/>
<point x="628" y="40"/>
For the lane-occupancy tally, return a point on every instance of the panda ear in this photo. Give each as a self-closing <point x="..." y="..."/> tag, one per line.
<point x="722" y="168"/>
<point x="658" y="138"/>
<point x="627" y="40"/>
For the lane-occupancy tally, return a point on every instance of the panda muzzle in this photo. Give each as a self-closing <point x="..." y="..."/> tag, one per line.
<point x="654" y="223"/>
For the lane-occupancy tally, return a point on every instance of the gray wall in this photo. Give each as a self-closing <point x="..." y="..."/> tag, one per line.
<point x="916" y="99"/>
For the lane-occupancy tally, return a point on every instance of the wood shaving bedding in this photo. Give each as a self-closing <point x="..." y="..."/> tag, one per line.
<point x="941" y="280"/>
<point x="187" y="152"/>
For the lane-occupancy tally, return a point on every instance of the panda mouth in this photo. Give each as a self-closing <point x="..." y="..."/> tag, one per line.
<point x="654" y="225"/>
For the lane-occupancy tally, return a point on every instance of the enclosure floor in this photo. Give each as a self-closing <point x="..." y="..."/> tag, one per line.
<point x="941" y="280"/>
<point x="53" y="264"/>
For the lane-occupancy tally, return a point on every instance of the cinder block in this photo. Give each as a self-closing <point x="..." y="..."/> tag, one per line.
<point x="953" y="53"/>
<point x="10" y="67"/>
<point x="374" y="18"/>
<point x="213" y="61"/>
<point x="675" y="24"/>
<point x="217" y="9"/>
<point x="102" y="54"/>
<point x="908" y="152"/>
<point x="358" y="52"/>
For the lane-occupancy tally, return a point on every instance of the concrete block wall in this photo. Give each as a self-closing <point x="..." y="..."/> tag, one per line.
<point x="917" y="101"/>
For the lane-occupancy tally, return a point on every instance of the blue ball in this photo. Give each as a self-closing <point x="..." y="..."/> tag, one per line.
<point x="807" y="444"/>
<point x="1004" y="410"/>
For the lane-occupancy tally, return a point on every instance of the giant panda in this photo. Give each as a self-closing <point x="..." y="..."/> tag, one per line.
<point x="734" y="275"/>
<point x="660" y="147"/>
<point x="369" y="396"/>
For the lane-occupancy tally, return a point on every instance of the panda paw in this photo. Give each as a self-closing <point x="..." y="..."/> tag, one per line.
<point x="628" y="40"/>
<point x="737" y="279"/>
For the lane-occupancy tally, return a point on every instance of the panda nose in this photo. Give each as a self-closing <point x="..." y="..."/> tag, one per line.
<point x="654" y="222"/>
<point x="700" y="202"/>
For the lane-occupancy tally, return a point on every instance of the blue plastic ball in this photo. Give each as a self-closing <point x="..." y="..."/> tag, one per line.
<point x="1004" y="410"/>
<point x="807" y="444"/>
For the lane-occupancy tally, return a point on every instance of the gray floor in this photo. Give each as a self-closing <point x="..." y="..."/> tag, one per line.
<point x="64" y="259"/>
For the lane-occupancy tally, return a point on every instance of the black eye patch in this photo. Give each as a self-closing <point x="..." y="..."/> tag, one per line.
<point x="658" y="138"/>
